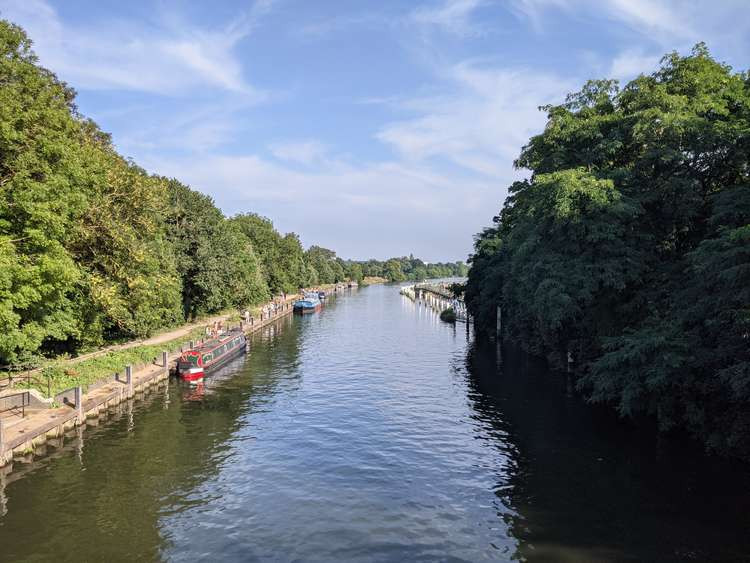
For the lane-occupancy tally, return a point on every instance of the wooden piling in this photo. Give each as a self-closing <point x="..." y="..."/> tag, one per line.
<point x="2" y="443"/>
<point x="129" y="379"/>
<point x="78" y="398"/>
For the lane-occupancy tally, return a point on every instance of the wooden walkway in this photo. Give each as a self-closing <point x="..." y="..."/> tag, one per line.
<point x="438" y="296"/>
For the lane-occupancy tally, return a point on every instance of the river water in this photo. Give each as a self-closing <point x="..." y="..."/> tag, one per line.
<point x="373" y="432"/>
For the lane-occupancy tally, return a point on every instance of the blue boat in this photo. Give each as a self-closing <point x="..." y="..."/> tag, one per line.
<point x="310" y="304"/>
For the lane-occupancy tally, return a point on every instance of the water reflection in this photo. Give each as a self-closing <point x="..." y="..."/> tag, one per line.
<point x="589" y="487"/>
<point x="110" y="485"/>
<point x="372" y="432"/>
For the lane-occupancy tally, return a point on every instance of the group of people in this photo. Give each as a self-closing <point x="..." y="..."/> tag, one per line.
<point x="268" y="309"/>
<point x="214" y="330"/>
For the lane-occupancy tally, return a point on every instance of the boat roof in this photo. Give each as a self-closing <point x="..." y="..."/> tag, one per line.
<point x="209" y="345"/>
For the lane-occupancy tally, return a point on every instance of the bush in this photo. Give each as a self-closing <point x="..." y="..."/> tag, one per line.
<point x="448" y="315"/>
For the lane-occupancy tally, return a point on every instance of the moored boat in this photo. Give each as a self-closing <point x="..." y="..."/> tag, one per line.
<point x="196" y="362"/>
<point x="310" y="304"/>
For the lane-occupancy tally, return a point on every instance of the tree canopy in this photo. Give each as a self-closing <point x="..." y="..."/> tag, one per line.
<point x="93" y="249"/>
<point x="628" y="247"/>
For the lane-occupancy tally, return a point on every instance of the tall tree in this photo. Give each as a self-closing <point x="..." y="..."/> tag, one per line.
<point x="628" y="247"/>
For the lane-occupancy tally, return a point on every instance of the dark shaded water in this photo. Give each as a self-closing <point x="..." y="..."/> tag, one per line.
<point x="373" y="432"/>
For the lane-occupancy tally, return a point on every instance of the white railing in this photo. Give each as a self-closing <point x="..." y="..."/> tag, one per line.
<point x="436" y="296"/>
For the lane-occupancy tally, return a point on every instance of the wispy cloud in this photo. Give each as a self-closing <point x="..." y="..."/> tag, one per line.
<point x="451" y="16"/>
<point x="669" y="23"/>
<point x="482" y="123"/>
<point x="161" y="60"/>
<point x="360" y="209"/>
<point x="305" y="152"/>
<point x="631" y="63"/>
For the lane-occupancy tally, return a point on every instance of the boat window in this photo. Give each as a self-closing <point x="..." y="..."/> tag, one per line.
<point x="191" y="359"/>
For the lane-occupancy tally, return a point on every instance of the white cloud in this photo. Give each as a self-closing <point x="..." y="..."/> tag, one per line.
<point x="631" y="63"/>
<point x="132" y="57"/>
<point x="669" y="23"/>
<point x="454" y="165"/>
<point x="362" y="210"/>
<point x="303" y="152"/>
<point x="483" y="123"/>
<point x="452" y="16"/>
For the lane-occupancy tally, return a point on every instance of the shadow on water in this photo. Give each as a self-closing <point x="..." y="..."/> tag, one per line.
<point x="588" y="486"/>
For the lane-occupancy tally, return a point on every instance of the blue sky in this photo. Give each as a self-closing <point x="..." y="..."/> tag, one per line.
<point x="372" y="128"/>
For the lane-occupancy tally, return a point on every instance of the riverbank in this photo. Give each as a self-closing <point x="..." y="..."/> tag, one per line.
<point x="42" y="423"/>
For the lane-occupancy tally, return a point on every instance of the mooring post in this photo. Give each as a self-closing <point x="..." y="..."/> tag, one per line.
<point x="499" y="322"/>
<point x="165" y="359"/>
<point x="79" y="403"/>
<point x="2" y="443"/>
<point x="129" y="379"/>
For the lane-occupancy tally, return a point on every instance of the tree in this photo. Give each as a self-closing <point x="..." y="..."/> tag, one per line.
<point x="267" y="243"/>
<point x="355" y="272"/>
<point x="628" y="247"/>
<point x="40" y="170"/>
<point x="393" y="271"/>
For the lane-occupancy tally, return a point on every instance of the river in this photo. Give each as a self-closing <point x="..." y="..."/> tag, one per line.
<point x="373" y="432"/>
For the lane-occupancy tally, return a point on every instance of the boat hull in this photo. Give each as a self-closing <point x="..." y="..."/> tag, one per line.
<point x="192" y="374"/>
<point x="307" y="310"/>
<point x="238" y="351"/>
<point x="195" y="371"/>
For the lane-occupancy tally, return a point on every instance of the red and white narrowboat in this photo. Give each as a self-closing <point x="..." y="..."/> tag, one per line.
<point x="196" y="362"/>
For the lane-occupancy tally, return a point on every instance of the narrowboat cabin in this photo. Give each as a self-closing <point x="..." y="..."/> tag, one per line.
<point x="196" y="362"/>
<point x="310" y="304"/>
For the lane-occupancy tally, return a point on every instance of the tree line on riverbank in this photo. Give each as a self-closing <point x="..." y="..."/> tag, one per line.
<point x="93" y="249"/>
<point x="629" y="248"/>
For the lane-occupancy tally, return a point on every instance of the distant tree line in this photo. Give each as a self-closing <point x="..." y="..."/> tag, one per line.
<point x="93" y="249"/>
<point x="629" y="248"/>
<point x="410" y="268"/>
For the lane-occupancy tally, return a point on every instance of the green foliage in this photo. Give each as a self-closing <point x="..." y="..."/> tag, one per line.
<point x="216" y="261"/>
<point x="355" y="272"/>
<point x="92" y="248"/>
<point x="410" y="268"/>
<point x="448" y="315"/>
<point x="628" y="247"/>
<point x="63" y="374"/>
<point x="282" y="257"/>
<point x="40" y="169"/>
<point x="329" y="268"/>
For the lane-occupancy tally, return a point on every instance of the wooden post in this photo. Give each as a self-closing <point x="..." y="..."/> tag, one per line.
<point x="129" y="379"/>
<point x="165" y="359"/>
<point x="499" y="322"/>
<point x="79" y="404"/>
<point x="2" y="443"/>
